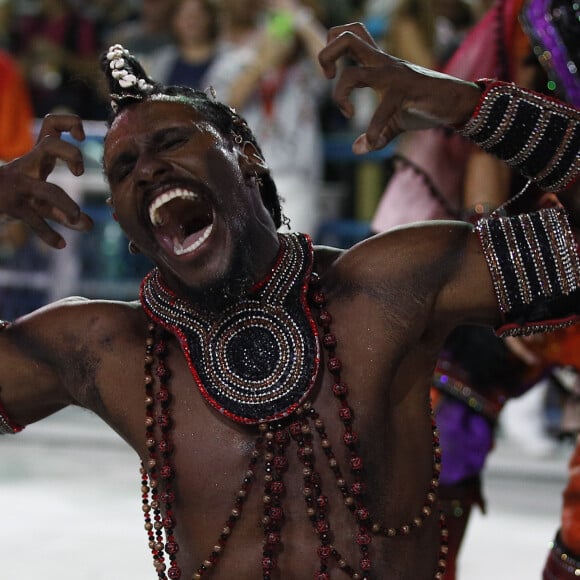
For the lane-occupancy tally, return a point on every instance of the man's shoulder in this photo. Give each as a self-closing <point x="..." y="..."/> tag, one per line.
<point x="81" y="303"/>
<point x="418" y="256"/>
<point x="77" y="315"/>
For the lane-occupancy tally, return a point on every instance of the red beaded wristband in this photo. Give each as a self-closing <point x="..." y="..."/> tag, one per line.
<point x="7" y="425"/>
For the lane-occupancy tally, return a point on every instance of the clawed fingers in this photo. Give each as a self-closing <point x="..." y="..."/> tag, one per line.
<point x="34" y="202"/>
<point x="384" y="125"/>
<point x="25" y="193"/>
<point x="352" y="40"/>
<point x="41" y="228"/>
<point x="52" y="202"/>
<point x="373" y="69"/>
<point x="49" y="149"/>
<point x="356" y="29"/>
<point x="348" y="80"/>
<point x="56" y="125"/>
<point x="354" y="77"/>
<point x="83" y="222"/>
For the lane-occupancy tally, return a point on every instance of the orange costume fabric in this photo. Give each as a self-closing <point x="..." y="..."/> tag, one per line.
<point x="570" y="531"/>
<point x="16" y="115"/>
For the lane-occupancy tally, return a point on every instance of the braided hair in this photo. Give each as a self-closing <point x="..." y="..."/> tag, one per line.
<point x="129" y="84"/>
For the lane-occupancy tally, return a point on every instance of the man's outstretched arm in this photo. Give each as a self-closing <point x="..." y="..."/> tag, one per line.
<point x="26" y="195"/>
<point x="532" y="259"/>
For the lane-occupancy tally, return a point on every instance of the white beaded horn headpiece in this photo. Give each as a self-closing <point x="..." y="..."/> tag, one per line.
<point x="126" y="77"/>
<point x="128" y="82"/>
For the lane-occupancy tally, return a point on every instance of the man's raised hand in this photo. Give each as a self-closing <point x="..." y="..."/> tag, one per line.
<point x="410" y="97"/>
<point x="24" y="191"/>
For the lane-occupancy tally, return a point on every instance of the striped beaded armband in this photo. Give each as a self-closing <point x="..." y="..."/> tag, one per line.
<point x="561" y="563"/>
<point x="537" y="135"/>
<point x="6" y="424"/>
<point x="535" y="268"/>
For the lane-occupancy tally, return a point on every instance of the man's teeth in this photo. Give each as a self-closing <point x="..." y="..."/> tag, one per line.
<point x="180" y="250"/>
<point x="166" y="198"/>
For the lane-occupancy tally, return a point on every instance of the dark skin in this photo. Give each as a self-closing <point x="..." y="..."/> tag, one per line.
<point x="393" y="298"/>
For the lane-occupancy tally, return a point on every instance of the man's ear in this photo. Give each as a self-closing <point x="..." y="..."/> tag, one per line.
<point x="251" y="160"/>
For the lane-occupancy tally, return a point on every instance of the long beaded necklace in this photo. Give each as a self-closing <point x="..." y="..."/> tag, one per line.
<point x="297" y="423"/>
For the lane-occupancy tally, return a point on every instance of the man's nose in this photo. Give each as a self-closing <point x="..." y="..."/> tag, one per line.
<point x="149" y="168"/>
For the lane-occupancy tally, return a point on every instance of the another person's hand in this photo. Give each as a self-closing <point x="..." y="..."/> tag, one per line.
<point x="410" y="97"/>
<point x="25" y="193"/>
<point x="526" y="348"/>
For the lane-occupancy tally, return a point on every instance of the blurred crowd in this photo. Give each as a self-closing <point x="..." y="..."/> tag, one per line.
<point x="56" y="43"/>
<point x="259" y="56"/>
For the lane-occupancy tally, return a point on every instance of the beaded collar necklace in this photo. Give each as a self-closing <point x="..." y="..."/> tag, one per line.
<point x="288" y="416"/>
<point x="258" y="361"/>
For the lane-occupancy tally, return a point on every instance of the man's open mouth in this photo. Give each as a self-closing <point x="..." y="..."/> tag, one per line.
<point x="182" y="220"/>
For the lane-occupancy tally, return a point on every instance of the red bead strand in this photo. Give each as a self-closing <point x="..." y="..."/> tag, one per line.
<point x="316" y="501"/>
<point x="355" y="502"/>
<point x="275" y="466"/>
<point x="151" y="504"/>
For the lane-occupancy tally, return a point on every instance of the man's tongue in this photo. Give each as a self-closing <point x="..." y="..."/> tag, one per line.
<point x="192" y="241"/>
<point x="181" y="228"/>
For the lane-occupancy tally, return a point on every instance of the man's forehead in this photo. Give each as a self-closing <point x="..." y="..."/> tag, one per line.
<point x="157" y="113"/>
<point x="150" y="117"/>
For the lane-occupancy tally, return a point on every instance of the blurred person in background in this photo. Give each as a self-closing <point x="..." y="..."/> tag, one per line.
<point x="185" y="62"/>
<point x="147" y="33"/>
<point x="58" y="50"/>
<point x="109" y="15"/>
<point x="427" y="32"/>
<point x="267" y="69"/>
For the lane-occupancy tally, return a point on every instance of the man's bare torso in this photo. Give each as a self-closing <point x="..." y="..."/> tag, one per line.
<point x="387" y="357"/>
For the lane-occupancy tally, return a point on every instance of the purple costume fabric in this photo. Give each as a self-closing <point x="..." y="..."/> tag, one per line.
<point x="466" y="439"/>
<point x="552" y="41"/>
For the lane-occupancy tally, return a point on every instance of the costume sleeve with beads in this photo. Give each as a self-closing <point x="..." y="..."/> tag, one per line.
<point x="6" y="424"/>
<point x="537" y="135"/>
<point x="534" y="264"/>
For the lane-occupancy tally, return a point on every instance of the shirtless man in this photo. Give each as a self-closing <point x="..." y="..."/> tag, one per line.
<point x="254" y="391"/>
